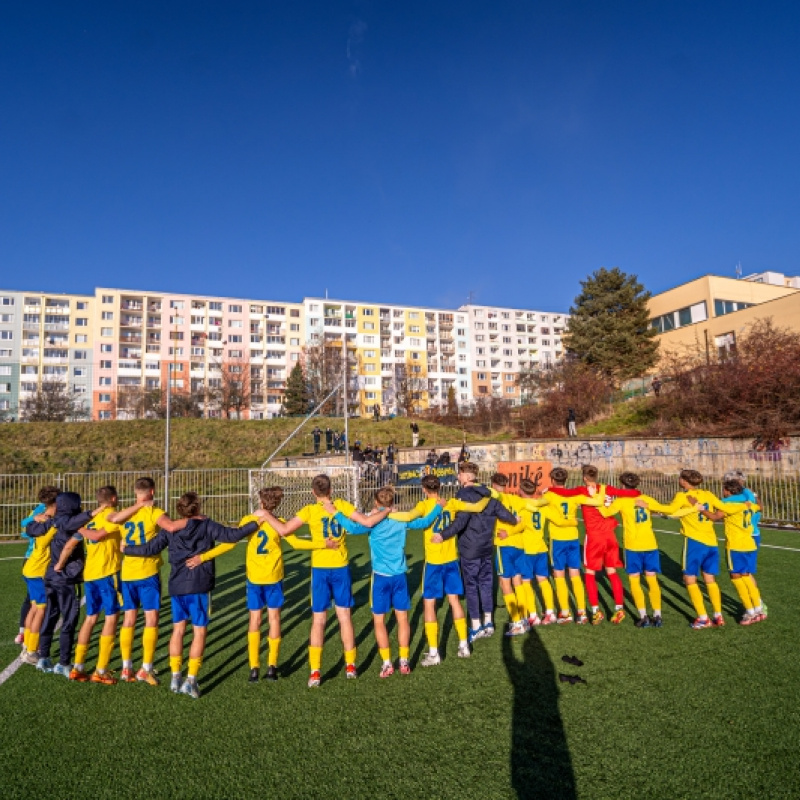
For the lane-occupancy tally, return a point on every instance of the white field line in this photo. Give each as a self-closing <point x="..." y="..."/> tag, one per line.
<point x="13" y="558"/>
<point x="769" y="546"/>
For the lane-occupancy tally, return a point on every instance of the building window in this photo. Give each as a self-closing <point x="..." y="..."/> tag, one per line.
<point x="6" y="336"/>
<point x="80" y="338"/>
<point x="107" y="315"/>
<point x="722" y="307"/>
<point x="106" y="348"/>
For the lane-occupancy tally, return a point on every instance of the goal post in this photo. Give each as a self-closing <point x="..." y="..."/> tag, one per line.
<point x="296" y="485"/>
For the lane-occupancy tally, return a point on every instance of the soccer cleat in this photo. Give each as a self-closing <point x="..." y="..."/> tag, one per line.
<point x="405" y="667"/>
<point x="175" y="683"/>
<point x="475" y="633"/>
<point x="516" y="629"/>
<point x="597" y="617"/>
<point x="44" y="665"/>
<point x="718" y="621"/>
<point x="253" y="675"/>
<point x="642" y="622"/>
<point x="564" y="618"/>
<point x="387" y="670"/>
<point x="747" y="619"/>
<point x="464" y="651"/>
<point x="534" y="621"/>
<point x="19" y="638"/>
<point x="582" y="618"/>
<point x="105" y="678"/>
<point x="314" y="679"/>
<point x="79" y="675"/>
<point x="148" y="676"/>
<point x="30" y="658"/>
<point x="488" y="630"/>
<point x="656" y="621"/>
<point x="350" y="671"/>
<point x="549" y="618"/>
<point x="698" y="624"/>
<point x="62" y="669"/>
<point x="127" y="676"/>
<point x="764" y="610"/>
<point x="759" y="617"/>
<point x="618" y="616"/>
<point x="432" y="659"/>
<point x="272" y="674"/>
<point x="190" y="687"/>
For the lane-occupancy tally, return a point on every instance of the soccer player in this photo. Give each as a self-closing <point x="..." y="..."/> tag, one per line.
<point x="534" y="562"/>
<point x="600" y="546"/>
<point x="740" y="545"/>
<point x="101" y="586"/>
<point x="141" y="579"/>
<point x="475" y="545"/>
<point x="26" y="606"/>
<point x="330" y="575"/>
<point x="510" y="555"/>
<point x="441" y="575"/>
<point x="34" y="570"/>
<point x="264" y="561"/>
<point x="389" y="587"/>
<point x="700" y="551"/>
<point x="641" y="548"/>
<point x="190" y="589"/>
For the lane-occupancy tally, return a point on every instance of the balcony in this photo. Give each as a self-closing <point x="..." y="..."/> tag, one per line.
<point x="153" y="348"/>
<point x="131" y="305"/>
<point x="30" y="326"/>
<point x="57" y="327"/>
<point x="131" y="338"/>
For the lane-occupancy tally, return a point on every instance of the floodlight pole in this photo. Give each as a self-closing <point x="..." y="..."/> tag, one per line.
<point x="345" y="378"/>
<point x="166" y="440"/>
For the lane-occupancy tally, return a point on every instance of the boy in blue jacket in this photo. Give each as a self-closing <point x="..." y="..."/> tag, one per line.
<point x="190" y="589"/>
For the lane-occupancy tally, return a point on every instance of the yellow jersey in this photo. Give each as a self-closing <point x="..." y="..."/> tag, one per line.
<point x="533" y="523"/>
<point x="637" y="523"/>
<point x="563" y="517"/>
<point x="38" y="561"/>
<point x="104" y="557"/>
<point x="693" y="524"/>
<point x="139" y="529"/>
<point x="323" y="526"/>
<point x="514" y="505"/>
<point x="739" y="526"/>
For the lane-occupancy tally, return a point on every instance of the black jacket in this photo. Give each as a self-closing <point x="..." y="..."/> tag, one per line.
<point x="476" y="531"/>
<point x="68" y="520"/>
<point x="198" y="536"/>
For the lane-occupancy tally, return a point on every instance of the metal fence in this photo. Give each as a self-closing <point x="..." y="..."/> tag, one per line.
<point x="229" y="494"/>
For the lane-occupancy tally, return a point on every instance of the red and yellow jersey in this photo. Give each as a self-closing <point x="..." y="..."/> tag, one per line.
<point x="323" y="527"/>
<point x="37" y="562"/>
<point x="103" y="558"/>
<point x="138" y="530"/>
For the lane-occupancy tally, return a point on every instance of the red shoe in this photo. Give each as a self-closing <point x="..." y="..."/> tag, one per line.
<point x="405" y="667"/>
<point x="127" y="675"/>
<point x="78" y="675"/>
<point x="106" y="678"/>
<point x="351" y="671"/>
<point x="718" y="621"/>
<point x="698" y="624"/>
<point x="314" y="679"/>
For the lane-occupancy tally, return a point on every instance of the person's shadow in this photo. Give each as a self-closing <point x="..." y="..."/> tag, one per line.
<point x="540" y="762"/>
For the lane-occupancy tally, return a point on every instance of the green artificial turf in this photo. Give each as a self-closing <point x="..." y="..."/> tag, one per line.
<point x="665" y="713"/>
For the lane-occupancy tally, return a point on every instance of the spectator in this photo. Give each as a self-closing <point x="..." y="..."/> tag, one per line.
<point x="572" y="429"/>
<point x="463" y="456"/>
<point x="431" y="459"/>
<point x="376" y="411"/>
<point x="329" y="438"/>
<point x="391" y="452"/>
<point x="656" y="386"/>
<point x="316" y="433"/>
<point x="444" y="459"/>
<point x="414" y="434"/>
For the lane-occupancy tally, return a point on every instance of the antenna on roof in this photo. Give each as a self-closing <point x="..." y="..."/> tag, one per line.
<point x="739" y="270"/>
<point x="470" y="297"/>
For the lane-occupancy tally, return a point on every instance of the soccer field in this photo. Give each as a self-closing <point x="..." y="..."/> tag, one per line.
<point x="666" y="712"/>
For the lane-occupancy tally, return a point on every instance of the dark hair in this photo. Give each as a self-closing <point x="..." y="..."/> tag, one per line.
<point x="144" y="484"/>
<point x="691" y="476"/>
<point x="732" y="487"/>
<point x="321" y="486"/>
<point x="47" y="495"/>
<point x="527" y="486"/>
<point x="498" y="479"/>
<point x="559" y="476"/>
<point x="630" y="480"/>
<point x="105" y="494"/>
<point x="468" y="466"/>
<point x="431" y="483"/>
<point x="270" y="497"/>
<point x="590" y="471"/>
<point x="189" y="504"/>
<point x="385" y="496"/>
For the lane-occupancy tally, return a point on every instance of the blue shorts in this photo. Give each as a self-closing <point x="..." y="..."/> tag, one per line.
<point x="757" y="540"/>
<point x="331" y="584"/>
<point x="535" y="564"/>
<point x="637" y="561"/>
<point x="194" y="607"/>
<point x="742" y="561"/>
<point x="260" y="595"/>
<point x="145" y="594"/>
<point x="102" y="595"/>
<point x="509" y="561"/>
<point x="389" y="592"/>
<point x="36" y="592"/>
<point x="698" y="557"/>
<point x="441" y="579"/>
<point x="565" y="555"/>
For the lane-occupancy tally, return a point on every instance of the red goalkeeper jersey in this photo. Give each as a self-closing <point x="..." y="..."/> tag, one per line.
<point x="594" y="522"/>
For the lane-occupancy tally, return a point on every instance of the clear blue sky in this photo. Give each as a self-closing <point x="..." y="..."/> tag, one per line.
<point x="407" y="152"/>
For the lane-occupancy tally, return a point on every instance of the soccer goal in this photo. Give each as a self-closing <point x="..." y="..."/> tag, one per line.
<point x="296" y="485"/>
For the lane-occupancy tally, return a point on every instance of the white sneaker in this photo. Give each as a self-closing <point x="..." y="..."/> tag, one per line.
<point x="516" y="629"/>
<point x="464" y="651"/>
<point x="534" y="621"/>
<point x="430" y="660"/>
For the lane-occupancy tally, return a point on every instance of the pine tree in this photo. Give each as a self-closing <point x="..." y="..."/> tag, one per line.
<point x="295" y="403"/>
<point x="609" y="327"/>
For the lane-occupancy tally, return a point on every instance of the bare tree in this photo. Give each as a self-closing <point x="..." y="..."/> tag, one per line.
<point x="235" y="387"/>
<point x="323" y="369"/>
<point x="53" y="401"/>
<point x="408" y="389"/>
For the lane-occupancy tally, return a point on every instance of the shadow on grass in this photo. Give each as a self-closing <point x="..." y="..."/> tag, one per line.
<point x="541" y="765"/>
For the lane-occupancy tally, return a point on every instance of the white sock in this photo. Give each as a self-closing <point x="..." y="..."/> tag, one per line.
<point x="487" y="618"/>
<point x="461" y="643"/>
<point x="642" y="612"/>
<point x="434" y="651"/>
<point x="476" y="623"/>
<point x="617" y="608"/>
<point x="595" y="609"/>
<point x="78" y="667"/>
<point x="147" y="667"/>
<point x="656" y="612"/>
<point x="127" y="664"/>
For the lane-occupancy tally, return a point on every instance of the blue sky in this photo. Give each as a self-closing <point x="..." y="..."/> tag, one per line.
<point x="398" y="152"/>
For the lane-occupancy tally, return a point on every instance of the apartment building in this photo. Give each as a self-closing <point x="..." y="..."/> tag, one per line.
<point x="504" y="342"/>
<point x="44" y="337"/>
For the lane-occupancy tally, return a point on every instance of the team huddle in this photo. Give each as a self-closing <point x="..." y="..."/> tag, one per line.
<point x="116" y="554"/>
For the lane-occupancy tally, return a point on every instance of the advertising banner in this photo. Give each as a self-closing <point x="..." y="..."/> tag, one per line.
<point x="412" y="474"/>
<point x="536" y="471"/>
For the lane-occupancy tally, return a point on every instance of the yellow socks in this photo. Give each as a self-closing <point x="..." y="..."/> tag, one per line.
<point x="33" y="642"/>
<point x="106" y="646"/>
<point x="638" y="594"/>
<point x="175" y="662"/>
<point x="149" y="640"/>
<point x="350" y="656"/>
<point x="511" y="605"/>
<point x="432" y="634"/>
<point x="274" y="651"/>
<point x="404" y="653"/>
<point x="755" y="595"/>
<point x="461" y="629"/>
<point x="385" y="652"/>
<point x="696" y="596"/>
<point x="530" y="598"/>
<point x="547" y="595"/>
<point x="253" y="646"/>
<point x="522" y="601"/>
<point x="743" y="590"/>
<point x="579" y="592"/>
<point x="655" y="594"/>
<point x="563" y="595"/>
<point x="194" y="667"/>
<point x="80" y="655"/>
<point x="126" y="646"/>
<point x="25" y="638"/>
<point x="715" y="596"/>
<point x="315" y="658"/>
